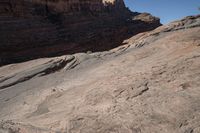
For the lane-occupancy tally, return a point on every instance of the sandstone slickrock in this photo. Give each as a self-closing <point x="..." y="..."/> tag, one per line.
<point x="33" y="29"/>
<point x="151" y="84"/>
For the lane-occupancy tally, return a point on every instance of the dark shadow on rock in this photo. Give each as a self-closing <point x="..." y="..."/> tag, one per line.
<point x="44" y="32"/>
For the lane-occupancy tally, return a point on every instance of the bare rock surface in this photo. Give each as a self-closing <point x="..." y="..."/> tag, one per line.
<point x="151" y="84"/>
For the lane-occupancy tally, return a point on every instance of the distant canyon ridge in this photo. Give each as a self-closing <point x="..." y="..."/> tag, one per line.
<point x="33" y="29"/>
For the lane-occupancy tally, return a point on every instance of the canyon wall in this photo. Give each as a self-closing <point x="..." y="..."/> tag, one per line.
<point x="43" y="7"/>
<point x="32" y="29"/>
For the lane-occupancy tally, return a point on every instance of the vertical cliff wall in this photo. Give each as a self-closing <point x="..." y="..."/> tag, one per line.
<point x="56" y="27"/>
<point x="42" y="7"/>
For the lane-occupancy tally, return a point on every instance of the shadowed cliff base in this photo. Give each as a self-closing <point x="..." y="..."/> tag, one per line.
<point x="36" y="29"/>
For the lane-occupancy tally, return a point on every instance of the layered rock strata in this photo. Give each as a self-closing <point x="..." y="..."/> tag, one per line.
<point x="41" y="28"/>
<point x="149" y="85"/>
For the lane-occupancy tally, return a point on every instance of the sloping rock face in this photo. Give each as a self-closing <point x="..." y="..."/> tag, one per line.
<point x="41" y="28"/>
<point x="149" y="85"/>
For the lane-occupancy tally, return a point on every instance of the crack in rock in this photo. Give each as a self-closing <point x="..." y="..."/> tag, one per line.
<point x="41" y="70"/>
<point x="132" y="92"/>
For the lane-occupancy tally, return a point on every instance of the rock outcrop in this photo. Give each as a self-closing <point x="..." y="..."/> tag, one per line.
<point x="149" y="85"/>
<point x="42" y="28"/>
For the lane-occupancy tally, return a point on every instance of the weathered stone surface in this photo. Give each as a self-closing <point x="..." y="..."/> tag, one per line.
<point x="64" y="27"/>
<point x="149" y="85"/>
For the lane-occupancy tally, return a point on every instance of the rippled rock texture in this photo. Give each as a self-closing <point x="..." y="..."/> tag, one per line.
<point x="151" y="84"/>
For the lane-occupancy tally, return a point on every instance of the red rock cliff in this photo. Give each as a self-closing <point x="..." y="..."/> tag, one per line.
<point x="26" y="7"/>
<point x="41" y="28"/>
